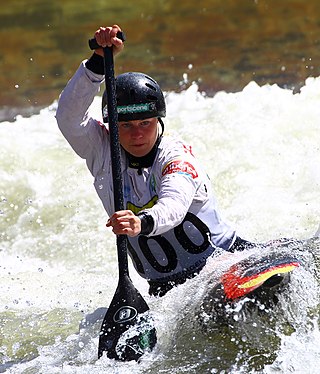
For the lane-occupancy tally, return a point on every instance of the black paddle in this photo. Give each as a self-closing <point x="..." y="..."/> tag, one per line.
<point x="127" y="330"/>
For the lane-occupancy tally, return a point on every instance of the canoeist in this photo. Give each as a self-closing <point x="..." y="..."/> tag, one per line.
<point x="171" y="217"/>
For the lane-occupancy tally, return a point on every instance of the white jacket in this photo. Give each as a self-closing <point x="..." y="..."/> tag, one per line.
<point x="175" y="190"/>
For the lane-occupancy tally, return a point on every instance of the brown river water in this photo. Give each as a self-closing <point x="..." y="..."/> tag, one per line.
<point x="220" y="44"/>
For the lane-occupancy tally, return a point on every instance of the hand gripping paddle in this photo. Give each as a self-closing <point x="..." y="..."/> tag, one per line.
<point x="127" y="330"/>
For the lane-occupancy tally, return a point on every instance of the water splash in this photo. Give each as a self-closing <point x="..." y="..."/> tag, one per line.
<point x="261" y="150"/>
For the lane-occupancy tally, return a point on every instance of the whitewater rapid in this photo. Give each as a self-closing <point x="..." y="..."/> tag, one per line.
<point x="261" y="149"/>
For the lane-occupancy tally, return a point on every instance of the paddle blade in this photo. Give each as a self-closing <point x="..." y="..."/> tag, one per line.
<point x="127" y="330"/>
<point x="248" y="275"/>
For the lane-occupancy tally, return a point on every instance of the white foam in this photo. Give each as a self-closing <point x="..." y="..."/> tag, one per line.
<point x="260" y="147"/>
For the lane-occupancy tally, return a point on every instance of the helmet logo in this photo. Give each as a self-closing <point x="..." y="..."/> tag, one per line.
<point x="136" y="108"/>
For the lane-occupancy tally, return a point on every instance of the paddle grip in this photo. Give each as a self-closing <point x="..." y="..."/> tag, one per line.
<point x="94" y="45"/>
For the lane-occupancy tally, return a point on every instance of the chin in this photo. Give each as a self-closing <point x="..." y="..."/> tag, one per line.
<point x="139" y="153"/>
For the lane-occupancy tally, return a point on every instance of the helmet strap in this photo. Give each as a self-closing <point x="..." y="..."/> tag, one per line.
<point x="162" y="126"/>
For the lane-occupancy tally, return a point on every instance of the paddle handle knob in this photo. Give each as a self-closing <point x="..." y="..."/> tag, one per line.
<point x="94" y="45"/>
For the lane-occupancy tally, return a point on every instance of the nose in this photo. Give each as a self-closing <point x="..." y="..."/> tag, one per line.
<point x="136" y="132"/>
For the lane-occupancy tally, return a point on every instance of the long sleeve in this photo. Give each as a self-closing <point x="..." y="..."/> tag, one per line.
<point x="73" y="118"/>
<point x="176" y="195"/>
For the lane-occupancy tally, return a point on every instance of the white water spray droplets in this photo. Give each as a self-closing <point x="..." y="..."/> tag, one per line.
<point x="81" y="345"/>
<point x="28" y="201"/>
<point x="184" y="79"/>
<point x="3" y="200"/>
<point x="250" y="142"/>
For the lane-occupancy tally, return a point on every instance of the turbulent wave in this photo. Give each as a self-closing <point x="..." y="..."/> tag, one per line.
<point x="58" y="261"/>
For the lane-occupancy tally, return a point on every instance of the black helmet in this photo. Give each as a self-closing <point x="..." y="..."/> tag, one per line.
<point x="138" y="97"/>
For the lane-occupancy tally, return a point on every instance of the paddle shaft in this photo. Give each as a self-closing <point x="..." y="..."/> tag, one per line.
<point x="127" y="303"/>
<point x="115" y="155"/>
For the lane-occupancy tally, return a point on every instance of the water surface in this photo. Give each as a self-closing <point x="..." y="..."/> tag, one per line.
<point x="221" y="44"/>
<point x="257" y="136"/>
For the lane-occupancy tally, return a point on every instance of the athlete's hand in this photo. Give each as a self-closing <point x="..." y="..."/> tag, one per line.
<point x="125" y="222"/>
<point x="107" y="37"/>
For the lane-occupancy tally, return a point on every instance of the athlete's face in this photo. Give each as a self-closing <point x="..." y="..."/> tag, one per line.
<point x="138" y="137"/>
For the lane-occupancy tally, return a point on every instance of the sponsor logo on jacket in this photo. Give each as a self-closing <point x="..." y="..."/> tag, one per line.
<point x="180" y="166"/>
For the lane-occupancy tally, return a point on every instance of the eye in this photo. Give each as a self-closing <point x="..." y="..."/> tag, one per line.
<point x="145" y="123"/>
<point x="125" y="125"/>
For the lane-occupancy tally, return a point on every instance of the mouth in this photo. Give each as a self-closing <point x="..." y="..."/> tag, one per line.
<point x="138" y="150"/>
<point x="138" y="145"/>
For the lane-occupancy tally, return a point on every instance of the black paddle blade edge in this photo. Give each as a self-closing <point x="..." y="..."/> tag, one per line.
<point x="127" y="331"/>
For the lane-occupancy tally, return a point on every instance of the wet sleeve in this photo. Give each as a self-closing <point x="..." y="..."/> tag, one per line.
<point x="73" y="112"/>
<point x="175" y="198"/>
